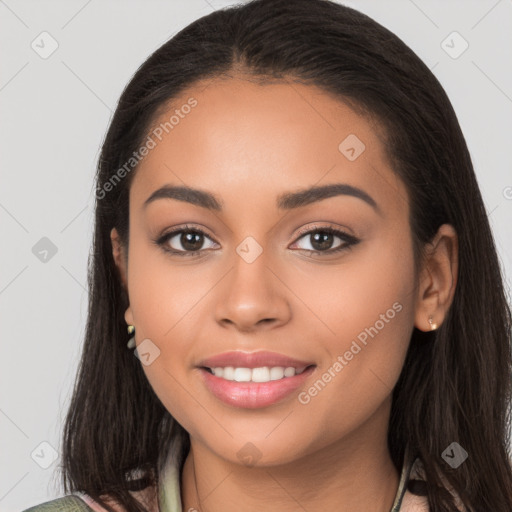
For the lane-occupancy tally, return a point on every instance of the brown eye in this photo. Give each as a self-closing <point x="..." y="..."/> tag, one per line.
<point x="190" y="241"/>
<point x="324" y="240"/>
<point x="321" y="241"/>
<point x="185" y="241"/>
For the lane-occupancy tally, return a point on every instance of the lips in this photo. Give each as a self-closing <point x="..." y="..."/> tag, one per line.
<point x="253" y="379"/>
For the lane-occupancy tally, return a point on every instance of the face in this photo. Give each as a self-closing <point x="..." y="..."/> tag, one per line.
<point x="305" y="299"/>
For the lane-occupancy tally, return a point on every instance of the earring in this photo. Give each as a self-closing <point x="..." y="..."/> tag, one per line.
<point x="433" y="325"/>
<point x="131" y="341"/>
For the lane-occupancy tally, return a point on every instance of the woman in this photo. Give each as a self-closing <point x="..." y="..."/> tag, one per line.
<point x="289" y="226"/>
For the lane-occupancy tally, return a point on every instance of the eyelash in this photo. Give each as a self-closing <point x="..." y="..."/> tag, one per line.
<point x="348" y="239"/>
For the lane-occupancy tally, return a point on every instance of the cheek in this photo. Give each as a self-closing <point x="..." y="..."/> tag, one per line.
<point x="351" y="296"/>
<point x="163" y="291"/>
<point x="369" y="309"/>
<point x="168" y="305"/>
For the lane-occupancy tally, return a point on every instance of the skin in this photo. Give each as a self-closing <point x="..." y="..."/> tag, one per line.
<point x="248" y="143"/>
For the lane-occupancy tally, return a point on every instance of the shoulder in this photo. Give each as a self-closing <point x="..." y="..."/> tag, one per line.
<point x="84" y="503"/>
<point x="69" y="503"/>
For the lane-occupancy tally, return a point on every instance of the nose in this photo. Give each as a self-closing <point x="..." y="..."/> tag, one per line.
<point x="252" y="297"/>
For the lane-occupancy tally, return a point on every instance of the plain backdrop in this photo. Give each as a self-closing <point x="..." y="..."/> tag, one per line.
<point x="54" y="113"/>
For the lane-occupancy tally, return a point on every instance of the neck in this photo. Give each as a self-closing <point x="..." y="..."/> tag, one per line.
<point x="354" y="473"/>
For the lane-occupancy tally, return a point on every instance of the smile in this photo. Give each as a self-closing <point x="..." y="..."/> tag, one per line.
<point x="262" y="374"/>
<point x="253" y="380"/>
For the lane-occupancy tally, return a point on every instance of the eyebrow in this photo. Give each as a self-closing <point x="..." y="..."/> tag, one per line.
<point x="287" y="201"/>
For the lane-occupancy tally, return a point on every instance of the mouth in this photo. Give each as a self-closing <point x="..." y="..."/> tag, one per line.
<point x="260" y="374"/>
<point x="253" y="379"/>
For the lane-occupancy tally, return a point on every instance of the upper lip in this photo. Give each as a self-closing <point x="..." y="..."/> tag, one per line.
<point x="239" y="359"/>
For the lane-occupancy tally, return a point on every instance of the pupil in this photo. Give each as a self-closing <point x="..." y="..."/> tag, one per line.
<point x="322" y="241"/>
<point x="191" y="241"/>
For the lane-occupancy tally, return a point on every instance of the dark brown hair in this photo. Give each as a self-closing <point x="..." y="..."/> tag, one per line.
<point x="455" y="384"/>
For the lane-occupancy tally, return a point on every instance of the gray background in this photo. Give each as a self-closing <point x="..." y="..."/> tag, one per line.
<point x="54" y="115"/>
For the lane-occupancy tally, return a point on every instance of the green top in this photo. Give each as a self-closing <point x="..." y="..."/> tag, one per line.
<point x="69" y="503"/>
<point x="169" y="499"/>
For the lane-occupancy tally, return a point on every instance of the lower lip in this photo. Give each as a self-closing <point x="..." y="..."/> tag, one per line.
<point x="253" y="395"/>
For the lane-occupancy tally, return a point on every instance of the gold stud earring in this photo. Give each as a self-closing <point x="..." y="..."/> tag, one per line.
<point x="433" y="325"/>
<point x="131" y="341"/>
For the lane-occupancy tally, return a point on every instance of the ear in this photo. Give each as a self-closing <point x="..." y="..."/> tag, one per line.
<point x="438" y="279"/>
<point x="121" y="261"/>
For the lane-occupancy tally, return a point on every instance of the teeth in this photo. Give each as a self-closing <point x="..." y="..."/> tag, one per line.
<point x="242" y="374"/>
<point x="277" y="373"/>
<point x="263" y="374"/>
<point x="260" y="374"/>
<point x="228" y="373"/>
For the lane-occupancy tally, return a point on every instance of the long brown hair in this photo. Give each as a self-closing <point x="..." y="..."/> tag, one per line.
<point x="455" y="384"/>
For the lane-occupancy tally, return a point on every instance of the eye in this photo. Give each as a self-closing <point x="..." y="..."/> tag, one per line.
<point x="322" y="240"/>
<point x="184" y="241"/>
<point x="189" y="241"/>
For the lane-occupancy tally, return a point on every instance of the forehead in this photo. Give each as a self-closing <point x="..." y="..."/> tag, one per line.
<point x="247" y="139"/>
